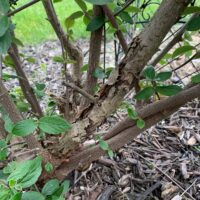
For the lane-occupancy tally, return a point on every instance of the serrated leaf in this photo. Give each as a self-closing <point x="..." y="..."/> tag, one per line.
<point x="24" y="127"/>
<point x="168" y="90"/>
<point x="126" y="17"/>
<point x="50" y="187"/>
<point x="163" y="76"/>
<point x="196" y="79"/>
<point x="96" y="23"/>
<point x="5" y="42"/>
<point x="145" y="94"/>
<point x="32" y="195"/>
<point x="27" y="173"/>
<point x="182" y="50"/>
<point x="140" y="123"/>
<point x="99" y="2"/>
<point x="191" y="9"/>
<point x="4" y="25"/>
<point x="149" y="72"/>
<point x="103" y="145"/>
<point x="53" y="125"/>
<point x="194" y="24"/>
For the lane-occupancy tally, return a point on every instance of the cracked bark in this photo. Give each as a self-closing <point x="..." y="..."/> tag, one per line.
<point x="126" y="130"/>
<point x="141" y="50"/>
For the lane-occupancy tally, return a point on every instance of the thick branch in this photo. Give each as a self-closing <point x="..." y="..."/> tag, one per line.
<point x="73" y="51"/>
<point x="118" y="32"/>
<point x="24" y="83"/>
<point x="177" y="38"/>
<point x="142" y="48"/>
<point x="94" y="54"/>
<point x="127" y="134"/>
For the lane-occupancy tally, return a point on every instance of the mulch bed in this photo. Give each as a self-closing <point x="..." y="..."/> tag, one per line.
<point x="162" y="163"/>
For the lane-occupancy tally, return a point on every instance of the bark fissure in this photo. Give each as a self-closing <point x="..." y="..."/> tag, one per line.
<point x="141" y="49"/>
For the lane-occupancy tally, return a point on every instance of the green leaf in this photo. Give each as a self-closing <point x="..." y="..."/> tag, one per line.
<point x="126" y="17"/>
<point x="8" y="61"/>
<point x="50" y="187"/>
<point x="145" y="94"/>
<point x="191" y="9"/>
<point x="96" y="23"/>
<point x="10" y="167"/>
<point x="3" y="150"/>
<point x="82" y="5"/>
<point x="58" y="59"/>
<point x="32" y="196"/>
<point x="99" y="73"/>
<point x="31" y="60"/>
<point x="149" y="72"/>
<point x="53" y="124"/>
<point x="17" y="196"/>
<point x="23" y="128"/>
<point x="163" y="76"/>
<point x="140" y="123"/>
<point x="132" y="9"/>
<point x="69" y="23"/>
<point x="76" y="15"/>
<point x="84" y="68"/>
<point x="99" y="2"/>
<point x="196" y="79"/>
<point x="8" y="124"/>
<point x="132" y="114"/>
<point x="48" y="167"/>
<point x="168" y="90"/>
<point x="182" y="50"/>
<point x="103" y="145"/>
<point x="194" y="24"/>
<point x="4" y="25"/>
<point x="40" y="86"/>
<point x="27" y="173"/>
<point x="110" y="153"/>
<point x="63" y="189"/>
<point x="22" y="106"/>
<point x="4" y="6"/>
<point x="5" y="42"/>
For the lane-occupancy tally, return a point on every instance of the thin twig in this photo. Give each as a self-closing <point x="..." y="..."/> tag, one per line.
<point x="81" y="91"/>
<point x="11" y="13"/>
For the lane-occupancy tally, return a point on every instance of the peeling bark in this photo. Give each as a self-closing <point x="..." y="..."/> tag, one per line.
<point x="127" y="130"/>
<point x="141" y="49"/>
